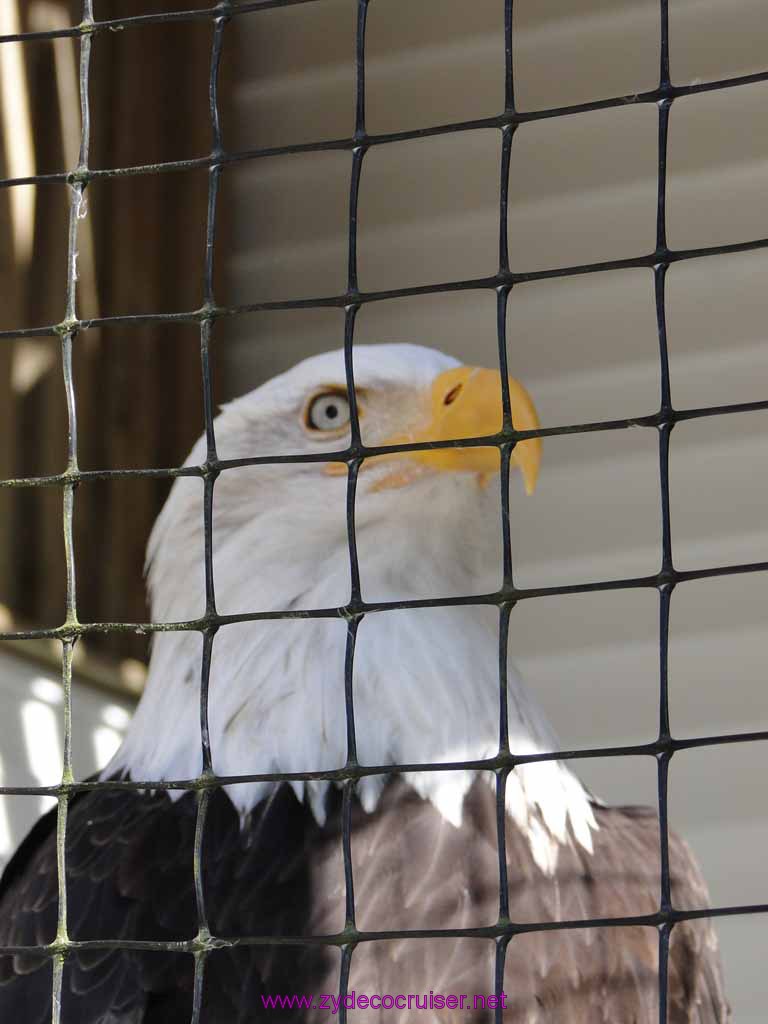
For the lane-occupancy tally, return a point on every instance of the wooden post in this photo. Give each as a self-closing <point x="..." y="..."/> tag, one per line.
<point x="139" y="398"/>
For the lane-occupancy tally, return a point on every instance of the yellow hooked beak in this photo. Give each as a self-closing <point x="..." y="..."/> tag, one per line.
<point x="466" y="402"/>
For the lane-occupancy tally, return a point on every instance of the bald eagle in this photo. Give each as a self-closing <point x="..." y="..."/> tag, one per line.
<point x="424" y="845"/>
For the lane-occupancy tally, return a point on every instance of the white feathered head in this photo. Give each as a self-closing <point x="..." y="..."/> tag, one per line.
<point x="427" y="524"/>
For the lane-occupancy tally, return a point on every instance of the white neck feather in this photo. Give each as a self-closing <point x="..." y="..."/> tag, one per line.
<point x="425" y="681"/>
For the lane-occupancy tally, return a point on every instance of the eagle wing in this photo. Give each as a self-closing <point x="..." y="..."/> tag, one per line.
<point x="413" y="869"/>
<point x="129" y="859"/>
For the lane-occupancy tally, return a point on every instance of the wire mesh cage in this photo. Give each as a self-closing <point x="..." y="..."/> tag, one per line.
<point x="658" y="421"/>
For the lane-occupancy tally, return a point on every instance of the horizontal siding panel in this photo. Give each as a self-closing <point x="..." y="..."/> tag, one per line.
<point x="32" y="738"/>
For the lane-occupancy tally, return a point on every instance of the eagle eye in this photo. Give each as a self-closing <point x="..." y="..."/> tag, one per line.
<point x="328" y="411"/>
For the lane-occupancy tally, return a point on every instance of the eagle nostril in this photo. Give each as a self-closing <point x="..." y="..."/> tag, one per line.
<point x="452" y="395"/>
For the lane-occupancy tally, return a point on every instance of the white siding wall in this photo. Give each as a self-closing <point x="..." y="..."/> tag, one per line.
<point x="32" y="737"/>
<point x="582" y="188"/>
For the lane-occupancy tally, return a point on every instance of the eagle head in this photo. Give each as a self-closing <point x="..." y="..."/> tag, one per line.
<point x="427" y="524"/>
